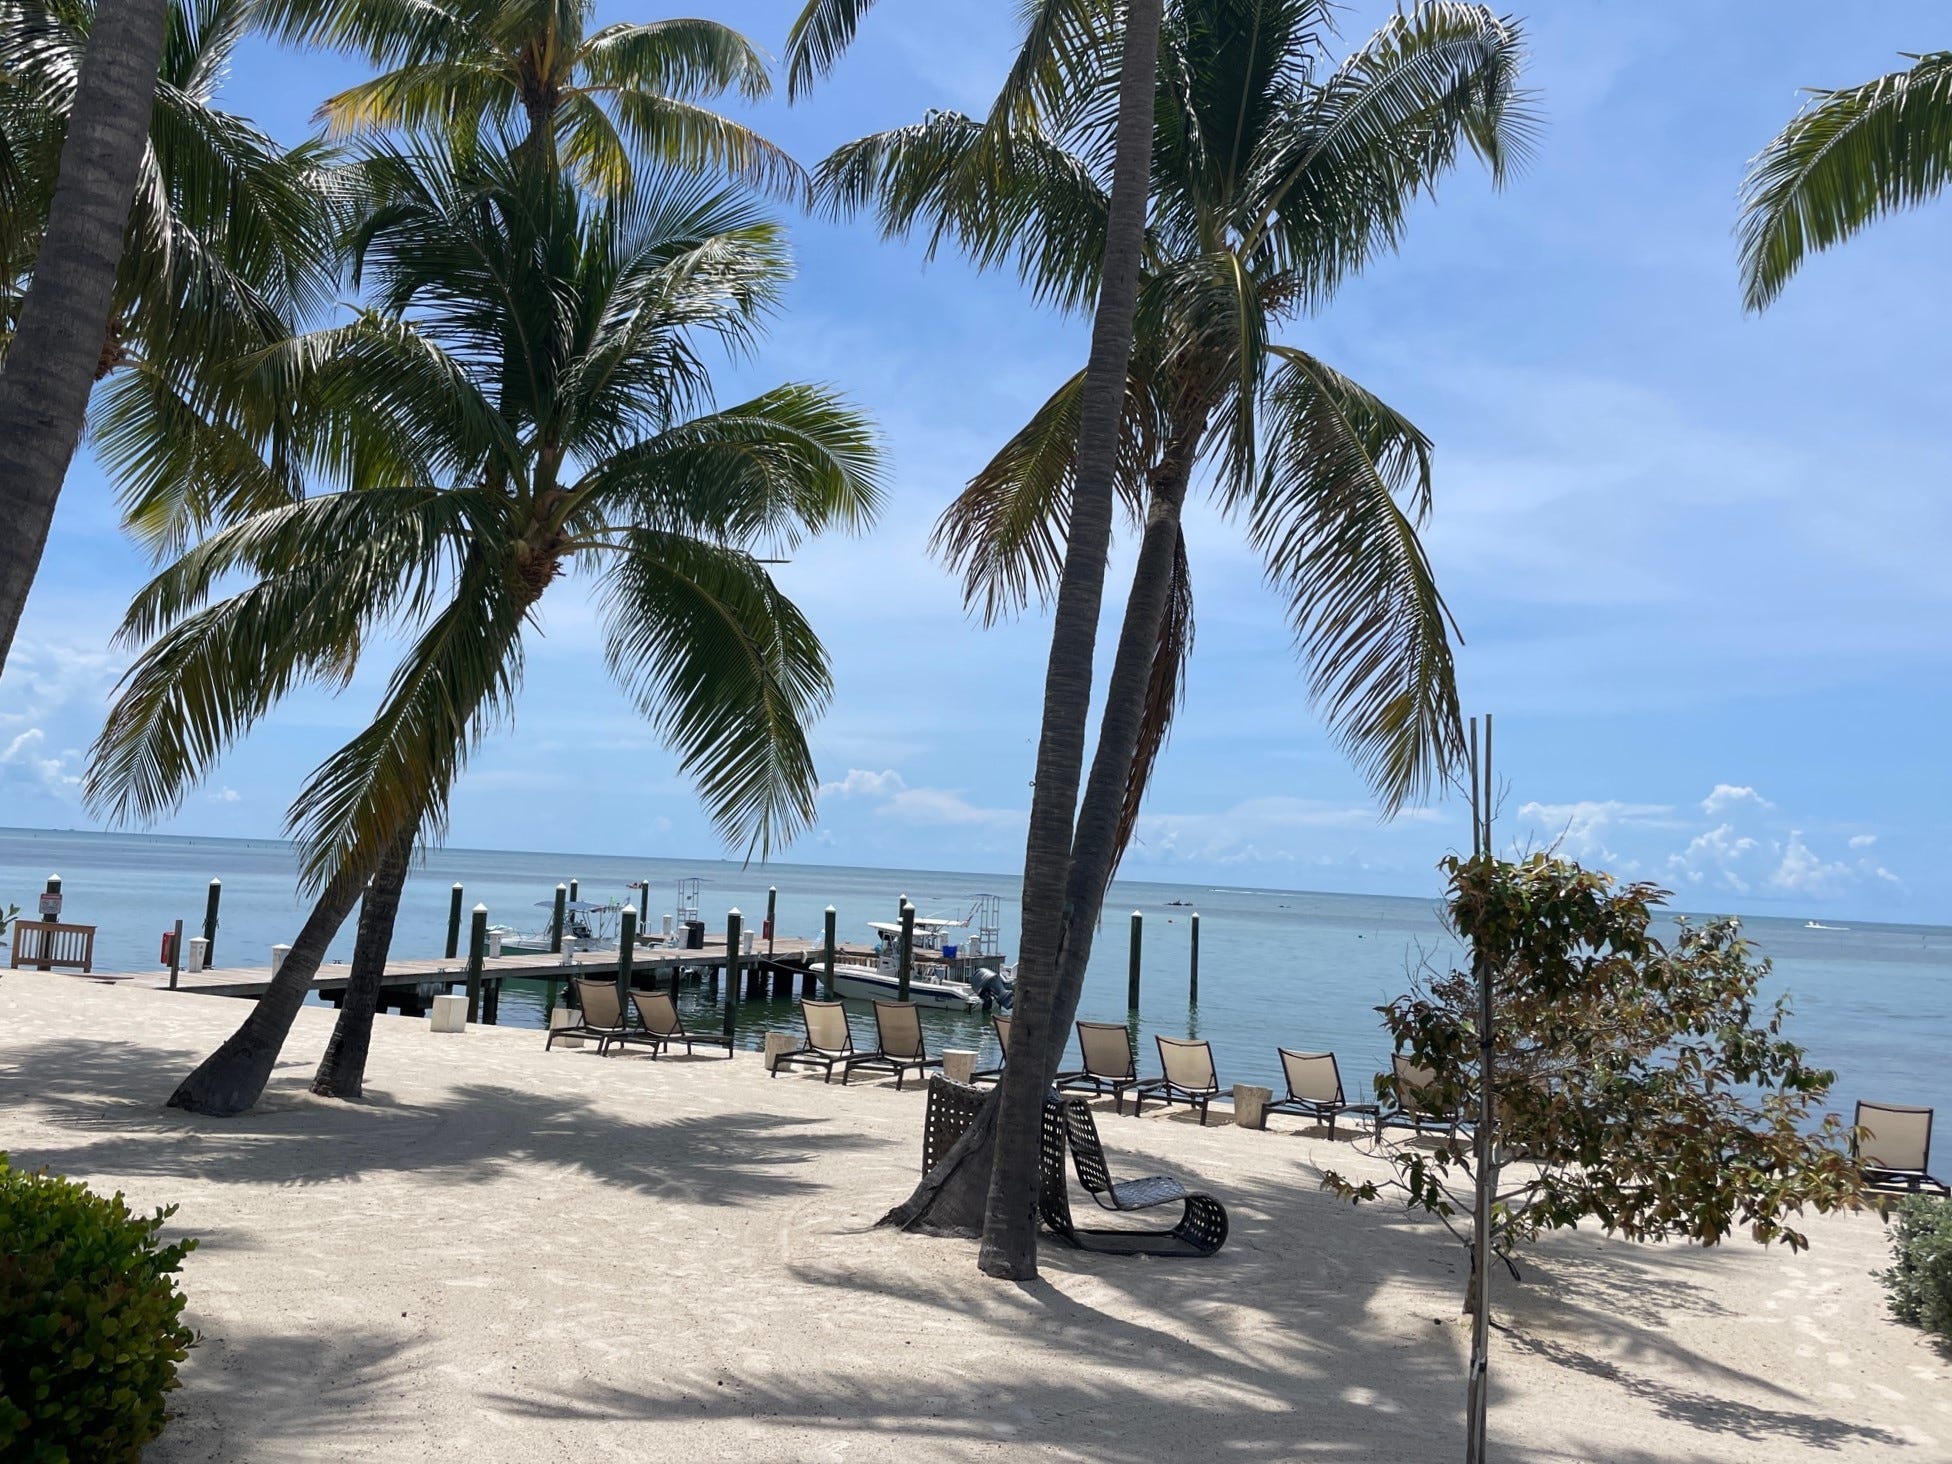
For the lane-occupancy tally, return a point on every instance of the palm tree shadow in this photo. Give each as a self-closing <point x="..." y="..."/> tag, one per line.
<point x="480" y="1132"/>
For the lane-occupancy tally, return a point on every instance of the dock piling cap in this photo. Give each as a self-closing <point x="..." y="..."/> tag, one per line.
<point x="481" y="909"/>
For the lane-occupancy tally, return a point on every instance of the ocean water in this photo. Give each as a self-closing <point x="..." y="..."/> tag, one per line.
<point x="1301" y="970"/>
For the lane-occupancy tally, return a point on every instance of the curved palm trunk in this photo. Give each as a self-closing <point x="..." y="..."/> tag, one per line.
<point x="342" y="1071"/>
<point x="1009" y="1219"/>
<point x="230" y="1080"/>
<point x="50" y="369"/>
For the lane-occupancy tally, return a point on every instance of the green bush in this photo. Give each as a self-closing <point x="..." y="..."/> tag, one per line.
<point x="1920" y="1282"/>
<point x="92" y="1327"/>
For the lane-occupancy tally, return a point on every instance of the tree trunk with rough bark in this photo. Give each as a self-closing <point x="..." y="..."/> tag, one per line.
<point x="50" y="368"/>
<point x="342" y="1071"/>
<point x="1009" y="1248"/>
<point x="232" y="1078"/>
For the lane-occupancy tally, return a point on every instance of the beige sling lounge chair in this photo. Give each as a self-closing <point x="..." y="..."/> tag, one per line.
<point x="995" y="1074"/>
<point x="602" y="1016"/>
<point x="1315" y="1089"/>
<point x="1412" y="1106"/>
<point x="830" y="1041"/>
<point x="1189" y="1074"/>
<point x="899" y="1047"/>
<point x="661" y="1027"/>
<point x="1895" y="1149"/>
<point x="1108" y="1063"/>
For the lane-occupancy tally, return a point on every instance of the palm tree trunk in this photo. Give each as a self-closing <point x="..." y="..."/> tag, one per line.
<point x="231" y="1079"/>
<point x="1009" y="1247"/>
<point x="50" y="368"/>
<point x="342" y="1071"/>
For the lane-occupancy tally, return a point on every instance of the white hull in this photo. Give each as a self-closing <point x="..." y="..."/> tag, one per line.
<point x="863" y="983"/>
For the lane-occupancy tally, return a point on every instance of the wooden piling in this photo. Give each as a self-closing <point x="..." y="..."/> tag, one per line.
<point x="175" y="954"/>
<point x="454" y="922"/>
<point x="1193" y="983"/>
<point x="574" y="887"/>
<point x="626" y="949"/>
<point x="477" y="949"/>
<point x="1132" y="976"/>
<point x="772" y="909"/>
<point x="907" y="950"/>
<point x="556" y="920"/>
<point x="732" y="965"/>
<point x="827" y="951"/>
<point x="210" y="922"/>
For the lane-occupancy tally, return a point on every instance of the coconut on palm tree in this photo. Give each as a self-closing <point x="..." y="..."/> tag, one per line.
<point x="599" y="101"/>
<point x="1851" y="156"/>
<point x="1272" y="183"/>
<point x="527" y="396"/>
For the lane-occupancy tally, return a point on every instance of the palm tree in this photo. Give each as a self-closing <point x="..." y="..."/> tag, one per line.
<point x="600" y="102"/>
<point x="1064" y="39"/>
<point x="50" y="364"/>
<point x="525" y="397"/>
<point x="1270" y="188"/>
<point x="227" y="248"/>
<point x="1851" y="156"/>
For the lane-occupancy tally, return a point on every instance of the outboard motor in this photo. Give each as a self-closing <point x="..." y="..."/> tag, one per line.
<point x="992" y="989"/>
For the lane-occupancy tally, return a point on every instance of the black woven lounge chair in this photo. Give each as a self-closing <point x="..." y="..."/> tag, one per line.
<point x="601" y="1016"/>
<point x="661" y="1028"/>
<point x="899" y="1046"/>
<point x="1315" y="1090"/>
<point x="1202" y="1227"/>
<point x="1109" y="1066"/>
<point x="1189" y="1074"/>
<point x="830" y="1041"/>
<point x="1895" y="1149"/>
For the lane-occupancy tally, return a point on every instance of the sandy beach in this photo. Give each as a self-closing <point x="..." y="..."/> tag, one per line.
<point x="507" y="1254"/>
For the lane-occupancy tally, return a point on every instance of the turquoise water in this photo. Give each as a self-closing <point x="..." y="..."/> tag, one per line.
<point x="1300" y="970"/>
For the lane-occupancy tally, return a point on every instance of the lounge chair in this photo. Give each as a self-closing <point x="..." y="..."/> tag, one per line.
<point x="1895" y="1149"/>
<point x="1315" y="1090"/>
<point x="1189" y="1074"/>
<point x="602" y="1016"/>
<point x="662" y="1027"/>
<point x="1202" y="1227"/>
<point x="1412" y="1106"/>
<point x="899" y="1047"/>
<point x="830" y="1041"/>
<point x="1108" y="1063"/>
<point x="995" y="1074"/>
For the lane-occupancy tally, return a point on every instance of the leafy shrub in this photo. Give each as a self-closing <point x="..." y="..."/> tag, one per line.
<point x="93" y="1329"/>
<point x="1920" y="1282"/>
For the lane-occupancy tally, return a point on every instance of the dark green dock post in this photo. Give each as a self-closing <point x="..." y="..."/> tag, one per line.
<point x="907" y="950"/>
<point x="1132" y="978"/>
<point x="626" y="947"/>
<point x="732" y="971"/>
<point x="772" y="909"/>
<point x="556" y="920"/>
<point x="1193" y="985"/>
<point x="477" y="948"/>
<point x="827" y="942"/>
<point x="210" y="922"/>
<point x="574" y="886"/>
<point x="175" y="954"/>
<point x="454" y="922"/>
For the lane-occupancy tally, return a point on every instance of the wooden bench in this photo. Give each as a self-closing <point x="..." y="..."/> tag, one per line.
<point x="46" y="945"/>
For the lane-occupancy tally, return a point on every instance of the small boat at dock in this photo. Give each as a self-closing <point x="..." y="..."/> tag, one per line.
<point x="943" y="972"/>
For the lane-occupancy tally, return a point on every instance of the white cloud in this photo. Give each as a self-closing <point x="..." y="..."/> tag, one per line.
<point x="1714" y="860"/>
<point x="1583" y="829"/>
<point x="1802" y="872"/>
<point x="1862" y="841"/>
<point x="1264" y="830"/>
<point x="52" y="774"/>
<point x="226" y="795"/>
<point x="859" y="781"/>
<point x="1728" y="795"/>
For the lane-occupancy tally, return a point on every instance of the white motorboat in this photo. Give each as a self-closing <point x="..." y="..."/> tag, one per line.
<point x="942" y="972"/>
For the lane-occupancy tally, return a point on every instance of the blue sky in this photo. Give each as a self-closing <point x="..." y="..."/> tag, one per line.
<point x="1699" y="558"/>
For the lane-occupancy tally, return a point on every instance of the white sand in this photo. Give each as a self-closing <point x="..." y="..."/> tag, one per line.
<point x="511" y="1255"/>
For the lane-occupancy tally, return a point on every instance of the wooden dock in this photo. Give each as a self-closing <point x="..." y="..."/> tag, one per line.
<point x="410" y="985"/>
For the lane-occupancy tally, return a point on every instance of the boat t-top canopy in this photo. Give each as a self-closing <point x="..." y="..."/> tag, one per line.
<point x="579" y="907"/>
<point x="922" y="927"/>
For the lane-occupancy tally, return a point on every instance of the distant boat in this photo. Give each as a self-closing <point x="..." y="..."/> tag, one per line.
<point x="1179" y="902"/>
<point x="1819" y="925"/>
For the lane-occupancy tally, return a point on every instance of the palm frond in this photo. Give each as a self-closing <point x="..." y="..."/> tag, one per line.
<point x="824" y="29"/>
<point x="678" y="58"/>
<point x="1367" y="615"/>
<point x="729" y="672"/>
<point x="1852" y="156"/>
